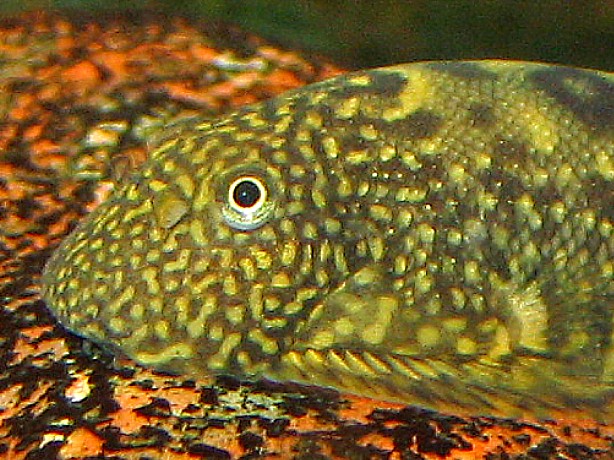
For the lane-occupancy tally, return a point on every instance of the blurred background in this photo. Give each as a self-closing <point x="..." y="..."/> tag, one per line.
<point x="366" y="33"/>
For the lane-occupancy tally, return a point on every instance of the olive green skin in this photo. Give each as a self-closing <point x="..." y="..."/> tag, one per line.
<point x="437" y="233"/>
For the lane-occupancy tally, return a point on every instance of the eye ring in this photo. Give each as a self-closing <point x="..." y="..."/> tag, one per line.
<point x="247" y="194"/>
<point x="248" y="202"/>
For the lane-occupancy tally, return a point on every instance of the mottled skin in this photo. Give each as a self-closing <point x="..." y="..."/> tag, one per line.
<point x="435" y="233"/>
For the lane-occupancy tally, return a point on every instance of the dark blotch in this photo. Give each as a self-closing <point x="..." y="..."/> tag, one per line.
<point x="421" y="124"/>
<point x="481" y="115"/>
<point x="508" y="150"/>
<point x="388" y="84"/>
<point x="466" y="70"/>
<point x="502" y="184"/>
<point x="594" y="104"/>
<point x="383" y="83"/>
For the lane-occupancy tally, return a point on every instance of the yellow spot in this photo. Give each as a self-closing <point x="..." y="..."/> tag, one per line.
<point x="428" y="336"/>
<point x="455" y="325"/>
<point x="380" y="212"/>
<point x="216" y="332"/>
<point x="132" y="193"/>
<point x="344" y="326"/>
<point x="319" y="199"/>
<point x="482" y="161"/>
<point x="377" y="248"/>
<point x="186" y="185"/>
<point x="558" y="212"/>
<point x="605" y="165"/>
<point x="150" y="275"/>
<point x="368" y="132"/>
<point x="466" y="346"/>
<point x="387" y="152"/>
<point x="135" y="262"/>
<point x="234" y="314"/>
<point x="280" y="280"/>
<point x="96" y="244"/>
<point x="344" y="188"/>
<point x="137" y="311"/>
<point x="288" y="253"/>
<point x="358" y="156"/>
<point x="359" y="80"/>
<point x="458" y="298"/>
<point x="405" y="218"/>
<point x="410" y="194"/>
<point x="363" y="188"/>
<point x="409" y="159"/>
<point x="197" y="232"/>
<point x="457" y="174"/>
<point x="472" y="272"/>
<point x="179" y="264"/>
<point x="487" y="201"/>
<point x="322" y="339"/>
<point x="156" y="185"/>
<point x="564" y="176"/>
<point x="263" y="258"/>
<point x="542" y="131"/>
<point x="117" y="325"/>
<point x="274" y="323"/>
<point x="307" y="152"/>
<point x="178" y="350"/>
<point x="162" y="329"/>
<point x="331" y="147"/>
<point x="426" y="233"/>
<point x="400" y="265"/>
<point x="501" y="344"/>
<point x="297" y="171"/>
<point x="313" y="119"/>
<point x="332" y="226"/>
<point x="144" y="209"/>
<point x="310" y="231"/>
<point x="92" y="310"/>
<point x="267" y="344"/>
<point x="348" y="108"/>
<point x="339" y="256"/>
<point x="295" y="208"/>
<point x="115" y="305"/>
<point x="423" y="281"/>
<point x="230" y="285"/>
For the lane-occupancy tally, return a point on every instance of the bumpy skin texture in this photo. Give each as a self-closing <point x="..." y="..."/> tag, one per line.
<point x="435" y="233"/>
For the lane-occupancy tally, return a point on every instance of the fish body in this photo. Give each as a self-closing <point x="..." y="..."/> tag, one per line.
<point x="437" y="233"/>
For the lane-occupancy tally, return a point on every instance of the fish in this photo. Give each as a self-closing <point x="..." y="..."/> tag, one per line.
<point x="436" y="233"/>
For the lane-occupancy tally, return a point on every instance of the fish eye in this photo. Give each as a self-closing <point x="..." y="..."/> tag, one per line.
<point x="248" y="203"/>
<point x="246" y="193"/>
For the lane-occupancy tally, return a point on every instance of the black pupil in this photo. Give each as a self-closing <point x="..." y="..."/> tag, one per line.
<point x="246" y="194"/>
